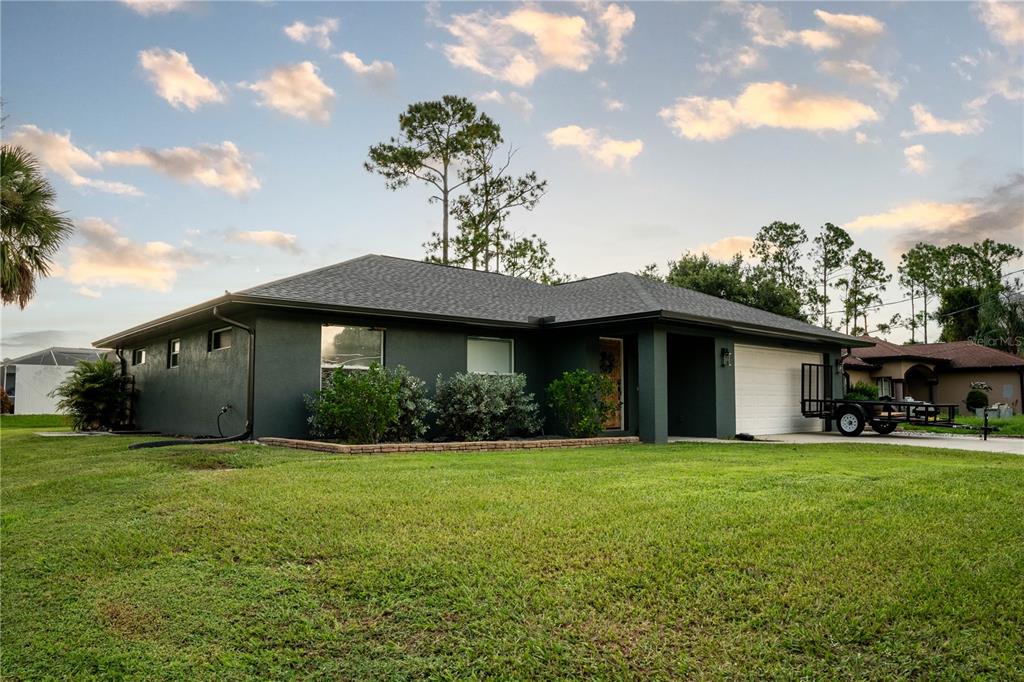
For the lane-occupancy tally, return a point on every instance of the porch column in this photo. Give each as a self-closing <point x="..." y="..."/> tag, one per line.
<point x="652" y="385"/>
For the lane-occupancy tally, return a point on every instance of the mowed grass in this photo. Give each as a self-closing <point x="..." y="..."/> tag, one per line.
<point x="691" y="560"/>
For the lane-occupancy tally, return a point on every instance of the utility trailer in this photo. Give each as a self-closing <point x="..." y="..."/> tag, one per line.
<point x="851" y="416"/>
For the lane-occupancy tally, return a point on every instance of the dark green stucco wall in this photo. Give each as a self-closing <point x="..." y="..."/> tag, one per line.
<point x="288" y="361"/>
<point x="674" y="381"/>
<point x="186" y="399"/>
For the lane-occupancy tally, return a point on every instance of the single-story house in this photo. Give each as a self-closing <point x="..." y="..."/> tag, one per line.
<point x="936" y="372"/>
<point x="29" y="379"/>
<point x="686" y="364"/>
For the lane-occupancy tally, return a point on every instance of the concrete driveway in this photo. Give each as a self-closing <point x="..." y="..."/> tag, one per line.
<point x="1012" y="446"/>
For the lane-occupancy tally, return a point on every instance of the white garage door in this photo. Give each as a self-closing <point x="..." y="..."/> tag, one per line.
<point x="768" y="390"/>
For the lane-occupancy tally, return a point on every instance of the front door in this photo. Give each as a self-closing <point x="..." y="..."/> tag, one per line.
<point x="612" y="367"/>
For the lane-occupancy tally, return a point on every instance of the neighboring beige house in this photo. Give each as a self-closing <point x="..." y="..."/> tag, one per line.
<point x="936" y="372"/>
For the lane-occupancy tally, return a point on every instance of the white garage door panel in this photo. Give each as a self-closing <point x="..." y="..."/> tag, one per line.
<point x="768" y="390"/>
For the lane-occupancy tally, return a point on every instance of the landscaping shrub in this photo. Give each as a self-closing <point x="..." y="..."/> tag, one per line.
<point x="485" y="407"/>
<point x="582" y="401"/>
<point x="6" y="405"/>
<point x="413" y="408"/>
<point x="94" y="396"/>
<point x="862" y="391"/>
<point x="976" y="399"/>
<point x="370" y="406"/>
<point x="355" y="406"/>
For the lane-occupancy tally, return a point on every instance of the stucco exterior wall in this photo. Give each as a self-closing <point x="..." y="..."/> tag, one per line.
<point x="187" y="399"/>
<point x="952" y="384"/>
<point x="288" y="361"/>
<point x="953" y="387"/>
<point x="33" y="384"/>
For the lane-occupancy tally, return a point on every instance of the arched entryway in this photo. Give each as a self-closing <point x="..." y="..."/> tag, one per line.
<point x="919" y="383"/>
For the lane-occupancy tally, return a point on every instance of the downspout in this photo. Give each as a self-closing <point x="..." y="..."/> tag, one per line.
<point x="119" y="352"/>
<point x="250" y="398"/>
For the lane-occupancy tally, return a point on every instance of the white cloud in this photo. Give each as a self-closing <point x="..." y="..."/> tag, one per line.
<point x="617" y="22"/>
<point x="317" y="34"/>
<point x="296" y="91"/>
<point x="177" y="81"/>
<point x="725" y="249"/>
<point x="858" y="24"/>
<point x="151" y="7"/>
<point x="518" y="102"/>
<point x="927" y="124"/>
<point x="490" y="96"/>
<point x="916" y="160"/>
<point x="862" y="138"/>
<point x="109" y="259"/>
<point x="774" y="105"/>
<point x="59" y="155"/>
<point x="1004" y="21"/>
<point x="920" y="215"/>
<point x="377" y="73"/>
<point x="737" y="61"/>
<point x="817" y="40"/>
<point x="88" y="293"/>
<point x="519" y="46"/>
<point x="997" y="214"/>
<point x="767" y="27"/>
<point x="859" y="73"/>
<point x="221" y="166"/>
<point x="612" y="104"/>
<point x="607" y="151"/>
<point x="997" y="72"/>
<point x="285" y="241"/>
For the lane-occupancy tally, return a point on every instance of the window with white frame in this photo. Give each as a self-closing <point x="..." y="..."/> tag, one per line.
<point x="884" y="386"/>
<point x="138" y="356"/>
<point x="220" y="339"/>
<point x="173" y="351"/>
<point x="486" y="355"/>
<point x="350" y="348"/>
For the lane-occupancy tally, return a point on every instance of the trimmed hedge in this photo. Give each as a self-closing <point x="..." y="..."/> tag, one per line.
<point x="370" y="406"/>
<point x="473" y="407"/>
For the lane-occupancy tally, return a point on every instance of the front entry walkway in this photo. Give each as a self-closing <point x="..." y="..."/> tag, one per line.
<point x="1011" y="446"/>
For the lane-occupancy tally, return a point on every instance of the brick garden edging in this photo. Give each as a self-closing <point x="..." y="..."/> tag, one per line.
<point x="459" y="446"/>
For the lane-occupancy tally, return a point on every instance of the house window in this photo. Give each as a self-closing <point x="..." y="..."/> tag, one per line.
<point x="138" y="356"/>
<point x="349" y="348"/>
<point x="489" y="356"/>
<point x="219" y="339"/>
<point x="173" y="350"/>
<point x="884" y="387"/>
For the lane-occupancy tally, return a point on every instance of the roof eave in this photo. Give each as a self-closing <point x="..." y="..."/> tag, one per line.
<point x="115" y="340"/>
<point x="760" y="330"/>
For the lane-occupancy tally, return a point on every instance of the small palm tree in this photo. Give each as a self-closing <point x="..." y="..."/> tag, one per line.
<point x="32" y="229"/>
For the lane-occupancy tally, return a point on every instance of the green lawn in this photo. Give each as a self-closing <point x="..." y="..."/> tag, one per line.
<point x="692" y="560"/>
<point x="1014" y="426"/>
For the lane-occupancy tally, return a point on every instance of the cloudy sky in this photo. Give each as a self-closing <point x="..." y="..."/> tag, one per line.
<point x="203" y="147"/>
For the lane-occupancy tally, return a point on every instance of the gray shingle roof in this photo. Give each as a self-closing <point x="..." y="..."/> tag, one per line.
<point x="397" y="285"/>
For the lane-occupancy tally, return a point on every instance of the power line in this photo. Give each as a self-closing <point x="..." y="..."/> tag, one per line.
<point x="904" y="300"/>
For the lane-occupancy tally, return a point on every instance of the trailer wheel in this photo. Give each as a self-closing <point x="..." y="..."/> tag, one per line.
<point x="849" y="421"/>
<point x="884" y="428"/>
